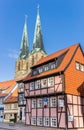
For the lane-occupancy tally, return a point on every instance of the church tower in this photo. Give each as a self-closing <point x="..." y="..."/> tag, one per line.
<point x="38" y="39"/>
<point x="21" y="63"/>
<point x="26" y="58"/>
<point x="38" y="46"/>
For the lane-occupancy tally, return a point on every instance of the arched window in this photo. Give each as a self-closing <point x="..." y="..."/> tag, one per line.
<point x="27" y="66"/>
<point x="32" y="60"/>
<point x="18" y="66"/>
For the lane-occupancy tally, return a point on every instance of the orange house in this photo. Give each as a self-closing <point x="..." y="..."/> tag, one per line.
<point x="11" y="107"/>
<point x="54" y="90"/>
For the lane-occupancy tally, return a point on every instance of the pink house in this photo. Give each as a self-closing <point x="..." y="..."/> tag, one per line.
<point x="54" y="90"/>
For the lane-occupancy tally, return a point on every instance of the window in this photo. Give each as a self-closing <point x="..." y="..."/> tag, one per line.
<point x="21" y="99"/>
<point x="50" y="81"/>
<point x="37" y="84"/>
<point x="7" y="116"/>
<point x="53" y="102"/>
<point x="40" y="69"/>
<point x="46" y="67"/>
<point x="21" y="87"/>
<point x="77" y="66"/>
<point x="18" y="66"/>
<point x="33" y="120"/>
<point x="35" y="72"/>
<point x="33" y="103"/>
<point x="52" y="65"/>
<point x="1" y="100"/>
<point x="32" y="86"/>
<point x="61" y="103"/>
<point x="24" y="111"/>
<point x="39" y="103"/>
<point x="46" y="121"/>
<point x="43" y="83"/>
<point x="27" y="66"/>
<point x="54" y="122"/>
<point x="82" y="67"/>
<point x="16" y="105"/>
<point x="39" y="121"/>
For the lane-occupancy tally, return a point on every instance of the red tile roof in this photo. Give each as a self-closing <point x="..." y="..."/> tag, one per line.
<point x="65" y="62"/>
<point x="2" y="94"/>
<point x="13" y="98"/>
<point x="7" y="86"/>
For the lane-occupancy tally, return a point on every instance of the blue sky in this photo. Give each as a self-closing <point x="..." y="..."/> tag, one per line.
<point x="62" y="24"/>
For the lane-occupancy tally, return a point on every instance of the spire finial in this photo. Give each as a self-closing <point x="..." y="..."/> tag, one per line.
<point x="38" y="7"/>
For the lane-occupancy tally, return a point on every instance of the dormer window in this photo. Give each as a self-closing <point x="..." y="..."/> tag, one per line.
<point x="35" y="72"/>
<point x="46" y="67"/>
<point x="40" y="69"/>
<point x="52" y="65"/>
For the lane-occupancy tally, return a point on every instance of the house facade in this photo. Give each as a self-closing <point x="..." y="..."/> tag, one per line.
<point x="6" y="89"/>
<point x="26" y="59"/>
<point x="11" y="109"/>
<point x="54" y="90"/>
<point x="2" y="96"/>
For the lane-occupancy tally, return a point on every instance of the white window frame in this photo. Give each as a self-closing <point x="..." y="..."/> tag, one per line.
<point x="82" y="67"/>
<point x="50" y="81"/>
<point x="46" y="67"/>
<point x="39" y="121"/>
<point x="53" y="121"/>
<point x="60" y="102"/>
<point x="43" y="83"/>
<point x="77" y="66"/>
<point x="21" y="87"/>
<point x="33" y="120"/>
<point x="37" y="84"/>
<point x="31" y="85"/>
<point x="46" y="121"/>
<point x="40" y="69"/>
<point x="33" y="103"/>
<point x="52" y="65"/>
<point x="39" y="103"/>
<point x="53" y="102"/>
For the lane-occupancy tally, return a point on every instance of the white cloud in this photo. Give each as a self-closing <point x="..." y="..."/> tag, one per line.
<point x="12" y="55"/>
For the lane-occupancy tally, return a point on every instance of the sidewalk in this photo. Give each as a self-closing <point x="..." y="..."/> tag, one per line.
<point x="5" y="126"/>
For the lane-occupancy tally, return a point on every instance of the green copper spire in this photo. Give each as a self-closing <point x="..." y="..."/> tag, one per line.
<point x="38" y="40"/>
<point x="24" y="49"/>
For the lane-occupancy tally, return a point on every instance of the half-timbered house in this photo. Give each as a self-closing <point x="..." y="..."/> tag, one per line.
<point x="54" y="90"/>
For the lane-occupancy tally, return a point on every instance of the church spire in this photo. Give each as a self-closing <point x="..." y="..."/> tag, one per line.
<point x="38" y="40"/>
<point x="24" y="49"/>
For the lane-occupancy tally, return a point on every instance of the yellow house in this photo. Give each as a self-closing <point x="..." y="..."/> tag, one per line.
<point x="11" y="107"/>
